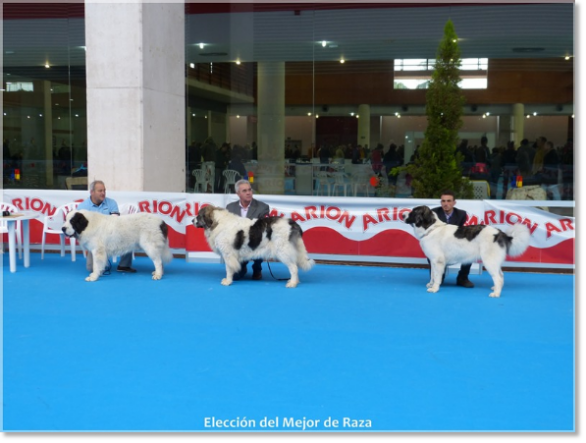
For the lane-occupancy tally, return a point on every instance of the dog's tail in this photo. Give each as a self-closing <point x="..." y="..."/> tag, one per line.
<point x="519" y="237"/>
<point x="167" y="254"/>
<point x="296" y="237"/>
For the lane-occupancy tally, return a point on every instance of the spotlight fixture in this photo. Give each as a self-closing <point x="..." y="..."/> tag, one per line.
<point x="324" y="44"/>
<point x="342" y="60"/>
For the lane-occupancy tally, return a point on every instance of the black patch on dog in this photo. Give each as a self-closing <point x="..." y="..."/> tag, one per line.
<point x="469" y="232"/>
<point x="239" y="240"/>
<point x="421" y="216"/>
<point x="78" y="222"/>
<point x="296" y="231"/>
<point x="257" y="230"/>
<point x="503" y="240"/>
<point x="164" y="230"/>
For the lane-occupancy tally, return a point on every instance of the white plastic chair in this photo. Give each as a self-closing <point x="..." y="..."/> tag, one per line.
<point x="340" y="181"/>
<point x="360" y="177"/>
<point x="322" y="180"/>
<point x="52" y="224"/>
<point x="125" y="209"/>
<point x="209" y="175"/>
<point x="200" y="182"/>
<point x="230" y="176"/>
<point x="4" y="226"/>
<point x="481" y="189"/>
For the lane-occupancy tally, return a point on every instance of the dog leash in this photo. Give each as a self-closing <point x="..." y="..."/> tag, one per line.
<point x="271" y="271"/>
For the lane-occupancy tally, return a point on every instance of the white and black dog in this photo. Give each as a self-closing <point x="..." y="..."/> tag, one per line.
<point x="239" y="239"/>
<point x="445" y="244"/>
<point x="107" y="235"/>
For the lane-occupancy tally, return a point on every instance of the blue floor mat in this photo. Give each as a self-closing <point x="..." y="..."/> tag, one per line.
<point x="352" y="348"/>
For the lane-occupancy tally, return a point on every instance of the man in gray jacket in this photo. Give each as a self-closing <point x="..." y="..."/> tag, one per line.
<point x="250" y="208"/>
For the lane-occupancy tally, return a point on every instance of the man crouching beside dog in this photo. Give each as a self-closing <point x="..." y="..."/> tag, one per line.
<point x="244" y="231"/>
<point x="250" y="208"/>
<point x="99" y="229"/>
<point x="446" y="243"/>
<point x="98" y="202"/>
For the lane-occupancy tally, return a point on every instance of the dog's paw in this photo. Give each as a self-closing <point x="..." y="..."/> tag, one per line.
<point x="157" y="276"/>
<point x="429" y="285"/>
<point x="432" y="289"/>
<point x="91" y="277"/>
<point x="291" y="284"/>
<point x="226" y="282"/>
<point x="494" y="295"/>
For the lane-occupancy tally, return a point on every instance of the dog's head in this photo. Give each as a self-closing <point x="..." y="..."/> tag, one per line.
<point x="75" y="224"/>
<point x="205" y="218"/>
<point x="420" y="217"/>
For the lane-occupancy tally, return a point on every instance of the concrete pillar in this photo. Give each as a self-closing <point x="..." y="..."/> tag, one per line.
<point x="364" y="126"/>
<point x="135" y="69"/>
<point x="270" y="176"/>
<point x="518" y="123"/>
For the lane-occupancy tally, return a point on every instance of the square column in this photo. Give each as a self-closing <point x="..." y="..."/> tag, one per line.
<point x="135" y="63"/>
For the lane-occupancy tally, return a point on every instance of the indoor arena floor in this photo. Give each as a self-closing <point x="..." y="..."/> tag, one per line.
<point x="352" y="348"/>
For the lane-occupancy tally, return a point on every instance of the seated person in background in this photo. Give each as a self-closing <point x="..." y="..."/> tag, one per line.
<point x="250" y="208"/>
<point x="98" y="202"/>
<point x="236" y="162"/>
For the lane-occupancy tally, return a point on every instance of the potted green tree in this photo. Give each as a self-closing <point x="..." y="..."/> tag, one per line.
<point x="436" y="165"/>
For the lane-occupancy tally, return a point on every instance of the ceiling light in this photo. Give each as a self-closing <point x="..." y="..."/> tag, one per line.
<point x="47" y="65"/>
<point x="201" y="46"/>
<point x="237" y="62"/>
<point x="309" y="114"/>
<point x="192" y="65"/>
<point x="342" y="60"/>
<point x="535" y="113"/>
<point x="323" y="44"/>
<point x="567" y="57"/>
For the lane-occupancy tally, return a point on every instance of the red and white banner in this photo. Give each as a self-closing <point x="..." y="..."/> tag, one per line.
<point x="339" y="228"/>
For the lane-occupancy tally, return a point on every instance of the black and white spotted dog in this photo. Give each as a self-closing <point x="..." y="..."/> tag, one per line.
<point x="445" y="244"/>
<point x="239" y="239"/>
<point x="107" y="236"/>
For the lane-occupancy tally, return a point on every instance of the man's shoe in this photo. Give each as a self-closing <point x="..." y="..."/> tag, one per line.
<point x="257" y="275"/>
<point x="125" y="269"/>
<point x="465" y="283"/>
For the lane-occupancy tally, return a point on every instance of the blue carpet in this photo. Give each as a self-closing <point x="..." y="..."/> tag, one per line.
<point x="356" y="345"/>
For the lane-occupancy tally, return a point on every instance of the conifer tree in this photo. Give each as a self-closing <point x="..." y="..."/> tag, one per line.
<point x="436" y="166"/>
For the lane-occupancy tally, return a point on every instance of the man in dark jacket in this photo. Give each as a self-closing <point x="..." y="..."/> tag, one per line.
<point x="250" y="208"/>
<point x="454" y="216"/>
